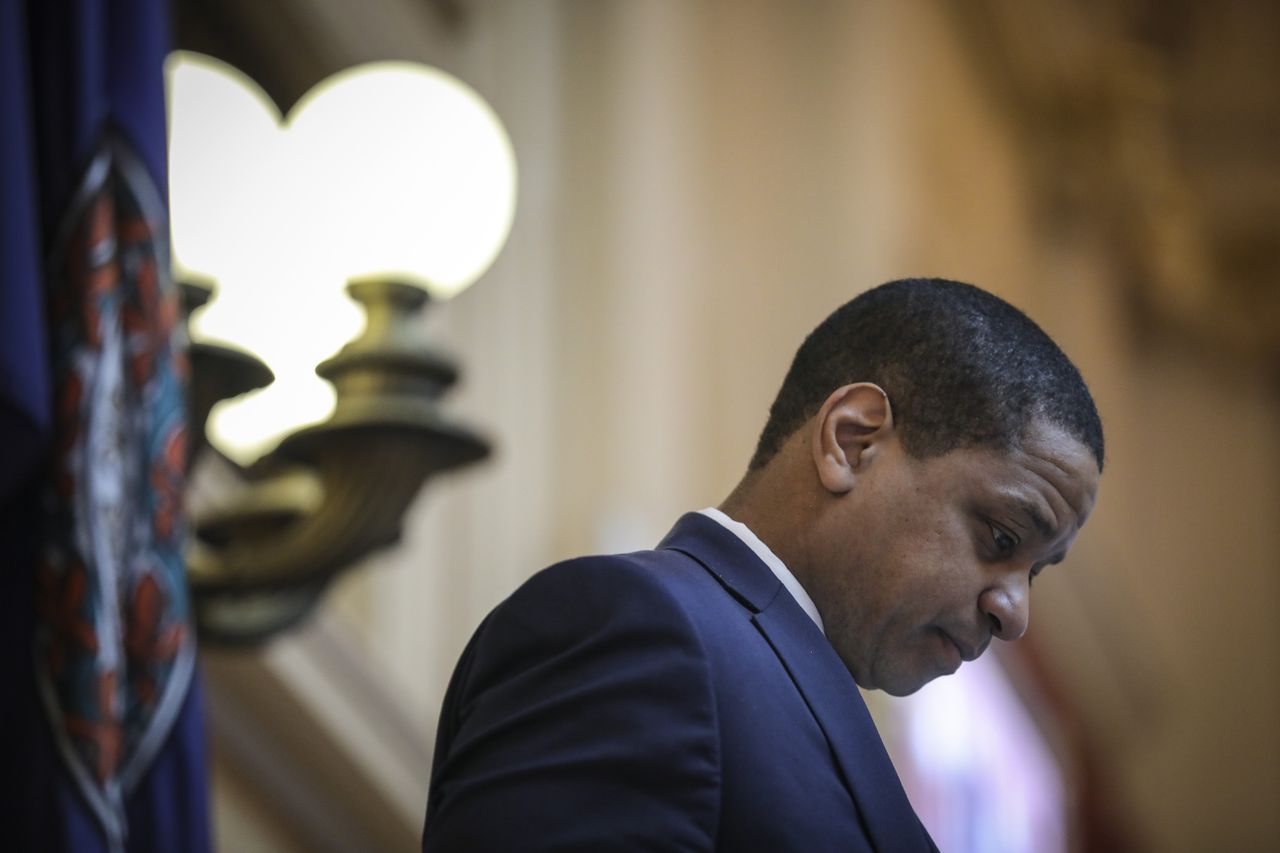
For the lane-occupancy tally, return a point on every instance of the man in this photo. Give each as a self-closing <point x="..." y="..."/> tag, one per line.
<point x="930" y="452"/>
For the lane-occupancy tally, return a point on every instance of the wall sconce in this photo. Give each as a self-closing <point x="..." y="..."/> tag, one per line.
<point x="394" y="177"/>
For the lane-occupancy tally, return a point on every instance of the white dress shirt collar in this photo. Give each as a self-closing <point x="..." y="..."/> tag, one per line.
<point x="770" y="559"/>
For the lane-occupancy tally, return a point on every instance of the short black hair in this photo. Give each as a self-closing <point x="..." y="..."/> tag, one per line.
<point x="961" y="368"/>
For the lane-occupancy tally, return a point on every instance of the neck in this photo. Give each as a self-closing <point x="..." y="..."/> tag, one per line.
<point x="774" y="510"/>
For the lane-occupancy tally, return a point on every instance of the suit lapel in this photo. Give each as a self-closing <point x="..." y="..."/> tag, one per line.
<point x="818" y="674"/>
<point x="837" y="705"/>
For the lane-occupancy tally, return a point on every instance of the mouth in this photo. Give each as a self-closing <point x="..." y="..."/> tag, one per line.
<point x="968" y="653"/>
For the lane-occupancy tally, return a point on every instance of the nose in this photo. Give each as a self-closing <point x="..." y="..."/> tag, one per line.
<point x="1007" y="607"/>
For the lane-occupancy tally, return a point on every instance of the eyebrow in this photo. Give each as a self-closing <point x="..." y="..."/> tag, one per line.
<point x="1052" y="561"/>
<point x="1042" y="524"/>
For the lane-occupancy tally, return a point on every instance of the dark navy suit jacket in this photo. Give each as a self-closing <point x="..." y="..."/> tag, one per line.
<point x="677" y="699"/>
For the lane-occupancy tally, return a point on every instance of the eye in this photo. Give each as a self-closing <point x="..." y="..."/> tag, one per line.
<point x="1004" y="541"/>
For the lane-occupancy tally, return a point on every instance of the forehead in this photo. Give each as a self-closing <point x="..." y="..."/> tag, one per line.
<point x="1050" y="477"/>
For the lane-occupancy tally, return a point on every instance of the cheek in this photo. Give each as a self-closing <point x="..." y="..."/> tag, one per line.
<point x="928" y="573"/>
<point x="945" y="541"/>
<point x="915" y="564"/>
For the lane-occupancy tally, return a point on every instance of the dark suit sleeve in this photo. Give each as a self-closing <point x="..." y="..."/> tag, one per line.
<point x="580" y="717"/>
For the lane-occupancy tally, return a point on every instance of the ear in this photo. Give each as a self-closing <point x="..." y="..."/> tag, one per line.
<point x="848" y="427"/>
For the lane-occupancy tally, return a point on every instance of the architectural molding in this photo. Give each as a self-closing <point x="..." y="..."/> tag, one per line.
<point x="1151" y="126"/>
<point x="310" y="729"/>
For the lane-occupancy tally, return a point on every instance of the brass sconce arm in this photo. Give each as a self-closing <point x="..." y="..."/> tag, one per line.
<point x="331" y="493"/>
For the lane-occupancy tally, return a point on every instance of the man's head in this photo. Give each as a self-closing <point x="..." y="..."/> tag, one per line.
<point x="962" y="368"/>
<point x="931" y="449"/>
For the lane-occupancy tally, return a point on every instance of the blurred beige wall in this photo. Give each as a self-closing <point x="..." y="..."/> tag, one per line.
<point x="700" y="184"/>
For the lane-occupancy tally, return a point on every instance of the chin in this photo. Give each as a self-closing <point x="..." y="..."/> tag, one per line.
<point x="903" y="684"/>
<point x="902" y="690"/>
<point x="894" y="682"/>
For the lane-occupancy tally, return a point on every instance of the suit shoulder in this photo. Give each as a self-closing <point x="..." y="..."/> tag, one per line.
<point x="583" y="713"/>
<point x="637" y="566"/>
<point x="613" y="588"/>
<point x="589" y="615"/>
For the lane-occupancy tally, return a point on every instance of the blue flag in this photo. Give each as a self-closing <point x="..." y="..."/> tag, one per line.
<point x="104" y="733"/>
